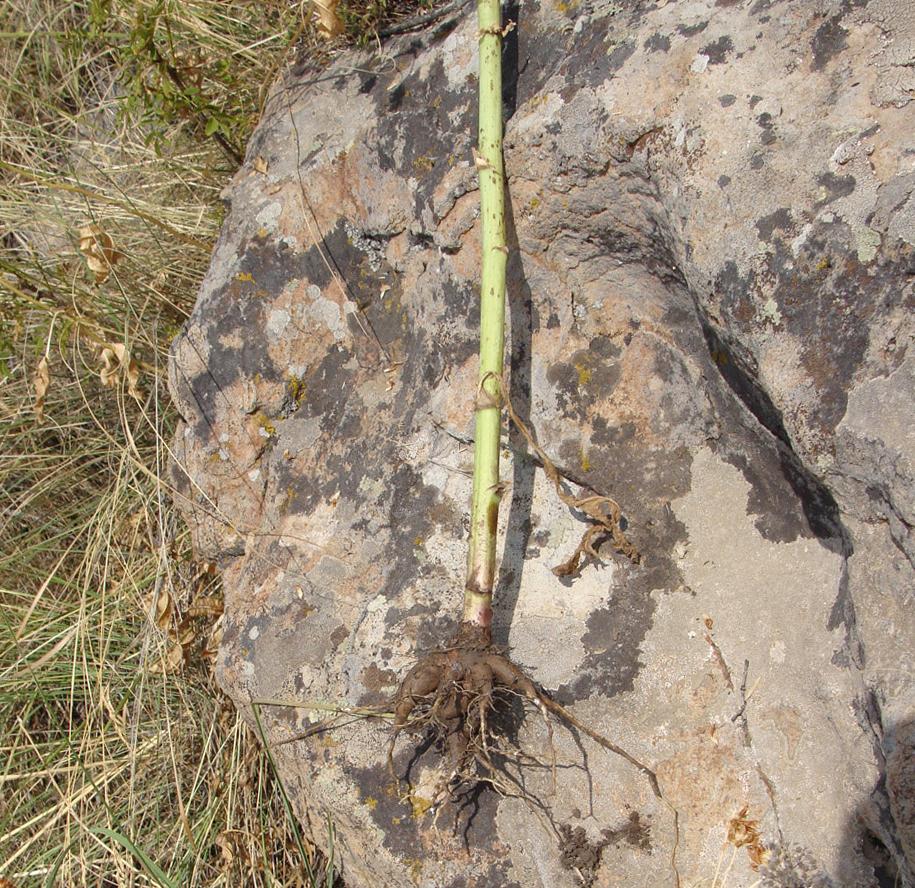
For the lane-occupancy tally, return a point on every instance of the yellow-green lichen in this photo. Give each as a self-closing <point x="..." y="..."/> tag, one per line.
<point x="415" y="866"/>
<point x="419" y="805"/>
<point x="296" y="388"/>
<point x="265" y="424"/>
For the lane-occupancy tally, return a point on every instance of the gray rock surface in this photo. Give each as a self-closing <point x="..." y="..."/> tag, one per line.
<point x="710" y="320"/>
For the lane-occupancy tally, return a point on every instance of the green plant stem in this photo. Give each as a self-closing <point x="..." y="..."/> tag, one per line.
<point x="484" y="515"/>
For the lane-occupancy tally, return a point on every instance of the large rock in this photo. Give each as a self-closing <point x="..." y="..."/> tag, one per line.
<point x="710" y="311"/>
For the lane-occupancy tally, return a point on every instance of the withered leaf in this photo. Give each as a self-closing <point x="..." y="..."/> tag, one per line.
<point x="329" y="23"/>
<point x="172" y="661"/>
<point x="161" y="610"/>
<point x="98" y="248"/>
<point x="211" y="648"/>
<point x="117" y="363"/>
<point x="186" y="633"/>
<point x="207" y="606"/>
<point x="743" y="832"/>
<point x="41" y="381"/>
<point x="225" y="847"/>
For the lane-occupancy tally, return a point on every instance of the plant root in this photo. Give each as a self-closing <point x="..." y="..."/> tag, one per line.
<point x="453" y="694"/>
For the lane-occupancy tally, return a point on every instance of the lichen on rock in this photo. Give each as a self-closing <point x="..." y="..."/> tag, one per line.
<point x="710" y="290"/>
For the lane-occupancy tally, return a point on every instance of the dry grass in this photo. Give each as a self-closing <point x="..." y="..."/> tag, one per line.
<point x="122" y="763"/>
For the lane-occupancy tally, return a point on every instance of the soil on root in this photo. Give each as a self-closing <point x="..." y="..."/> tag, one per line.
<point x="456" y="694"/>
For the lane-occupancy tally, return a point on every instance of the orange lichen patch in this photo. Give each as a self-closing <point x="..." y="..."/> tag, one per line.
<point x="397" y="249"/>
<point x="465" y="263"/>
<point x="632" y="401"/>
<point x="551" y="349"/>
<point x="460" y="218"/>
<point x="350" y="187"/>
<point x="788" y="721"/>
<point x="458" y="398"/>
<point x="704" y="779"/>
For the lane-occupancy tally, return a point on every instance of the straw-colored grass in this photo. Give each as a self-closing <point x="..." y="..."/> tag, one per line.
<point x="120" y="761"/>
